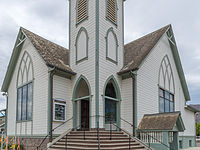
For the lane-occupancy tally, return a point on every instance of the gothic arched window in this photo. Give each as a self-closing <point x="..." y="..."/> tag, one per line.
<point x="111" y="46"/>
<point x="82" y="10"/>
<point x="81" y="45"/>
<point x="25" y="89"/>
<point x="111" y="11"/>
<point x="166" y="87"/>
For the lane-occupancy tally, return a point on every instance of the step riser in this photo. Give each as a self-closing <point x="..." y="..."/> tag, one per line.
<point x="111" y="148"/>
<point x="77" y="141"/>
<point x="103" y="142"/>
<point x="96" y="145"/>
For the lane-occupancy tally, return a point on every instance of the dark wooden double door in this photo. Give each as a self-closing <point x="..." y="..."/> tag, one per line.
<point x="85" y="114"/>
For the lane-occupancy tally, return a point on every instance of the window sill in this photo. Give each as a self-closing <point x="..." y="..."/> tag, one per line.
<point x="21" y="121"/>
<point x="59" y="121"/>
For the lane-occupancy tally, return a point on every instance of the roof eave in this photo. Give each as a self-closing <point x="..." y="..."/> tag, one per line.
<point x="127" y="71"/>
<point x="192" y="109"/>
<point x="71" y="73"/>
<point x="179" y="66"/>
<point x="12" y="64"/>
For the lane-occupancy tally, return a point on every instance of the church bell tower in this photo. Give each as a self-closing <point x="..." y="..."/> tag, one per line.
<point x="96" y="44"/>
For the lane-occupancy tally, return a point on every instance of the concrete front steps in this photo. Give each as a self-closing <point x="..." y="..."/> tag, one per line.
<point x="76" y="141"/>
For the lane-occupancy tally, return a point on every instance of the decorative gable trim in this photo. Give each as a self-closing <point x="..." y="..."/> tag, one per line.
<point x="14" y="57"/>
<point x="177" y="60"/>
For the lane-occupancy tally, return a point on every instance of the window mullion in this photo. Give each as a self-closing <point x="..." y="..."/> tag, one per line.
<point x="26" y="101"/>
<point x="21" y="102"/>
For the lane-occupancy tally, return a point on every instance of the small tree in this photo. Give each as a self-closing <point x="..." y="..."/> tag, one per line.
<point x="197" y="129"/>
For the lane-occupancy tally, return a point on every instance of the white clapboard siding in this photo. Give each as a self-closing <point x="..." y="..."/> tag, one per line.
<point x="62" y="90"/>
<point x="147" y="85"/>
<point x="106" y="67"/>
<point x="127" y="104"/>
<point x="86" y="67"/>
<point x="40" y="96"/>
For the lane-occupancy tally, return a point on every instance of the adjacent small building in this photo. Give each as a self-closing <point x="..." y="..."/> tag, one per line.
<point x="197" y="114"/>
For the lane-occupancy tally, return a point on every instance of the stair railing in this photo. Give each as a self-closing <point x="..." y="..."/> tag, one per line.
<point x="48" y="135"/>
<point x="73" y="129"/>
<point x="130" y="137"/>
<point x="149" y="137"/>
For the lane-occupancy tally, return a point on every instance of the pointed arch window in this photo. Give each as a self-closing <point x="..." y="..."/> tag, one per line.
<point x="25" y="89"/>
<point x="81" y="45"/>
<point x="166" y="87"/>
<point x="111" y="46"/>
<point x="111" y="97"/>
<point x="81" y="10"/>
<point x="111" y="11"/>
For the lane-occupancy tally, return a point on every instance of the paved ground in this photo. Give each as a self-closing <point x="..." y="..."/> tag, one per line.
<point x="194" y="148"/>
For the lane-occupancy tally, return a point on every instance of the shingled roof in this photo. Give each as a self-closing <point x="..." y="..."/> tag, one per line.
<point x="136" y="51"/>
<point x="53" y="54"/>
<point x="161" y="121"/>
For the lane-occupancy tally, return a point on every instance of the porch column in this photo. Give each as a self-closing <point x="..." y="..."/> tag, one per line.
<point x="166" y="140"/>
<point x="176" y="140"/>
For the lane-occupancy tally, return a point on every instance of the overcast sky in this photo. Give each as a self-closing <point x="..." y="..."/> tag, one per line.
<point x="49" y="18"/>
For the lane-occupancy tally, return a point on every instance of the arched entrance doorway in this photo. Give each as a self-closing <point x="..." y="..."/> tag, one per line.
<point x="111" y="102"/>
<point x="81" y="104"/>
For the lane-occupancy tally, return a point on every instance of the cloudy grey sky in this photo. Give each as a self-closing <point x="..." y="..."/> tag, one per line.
<point x="49" y="18"/>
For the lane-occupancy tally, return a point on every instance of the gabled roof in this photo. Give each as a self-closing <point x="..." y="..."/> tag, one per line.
<point x="162" y="121"/>
<point x="135" y="53"/>
<point x="52" y="54"/>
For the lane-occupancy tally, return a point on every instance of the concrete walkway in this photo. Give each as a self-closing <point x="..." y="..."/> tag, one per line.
<point x="193" y="148"/>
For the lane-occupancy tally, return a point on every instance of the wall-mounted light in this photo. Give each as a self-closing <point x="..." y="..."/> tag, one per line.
<point x="5" y="94"/>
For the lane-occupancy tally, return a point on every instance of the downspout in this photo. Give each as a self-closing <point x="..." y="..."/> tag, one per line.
<point x="51" y="73"/>
<point x="6" y="112"/>
<point x="134" y="86"/>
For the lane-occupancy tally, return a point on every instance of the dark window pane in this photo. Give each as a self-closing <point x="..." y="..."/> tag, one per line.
<point x="59" y="112"/>
<point x="166" y="95"/>
<point x="24" y="101"/>
<point x="29" y="101"/>
<point x="110" y="90"/>
<point x="171" y="97"/>
<point x="180" y="144"/>
<point x="110" y="111"/>
<point x="171" y="107"/>
<point x="19" y="103"/>
<point x="167" y="106"/>
<point x="161" y="93"/>
<point x="162" y="106"/>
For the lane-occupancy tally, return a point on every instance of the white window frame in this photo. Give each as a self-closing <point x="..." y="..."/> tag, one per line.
<point x="59" y="102"/>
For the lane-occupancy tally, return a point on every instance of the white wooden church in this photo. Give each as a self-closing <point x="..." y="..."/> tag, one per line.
<point x="100" y="88"/>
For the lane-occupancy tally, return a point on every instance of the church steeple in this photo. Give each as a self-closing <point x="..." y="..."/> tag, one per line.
<point x="96" y="42"/>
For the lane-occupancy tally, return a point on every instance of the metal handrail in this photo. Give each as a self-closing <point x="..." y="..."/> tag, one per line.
<point x="129" y="135"/>
<point x="144" y="133"/>
<point x="51" y="132"/>
<point x="127" y="122"/>
<point x="98" y="136"/>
